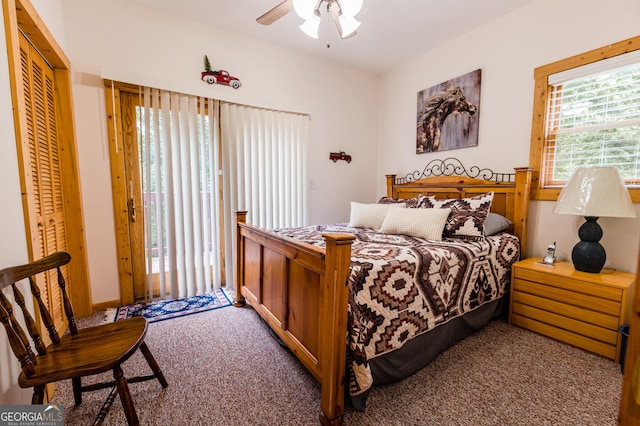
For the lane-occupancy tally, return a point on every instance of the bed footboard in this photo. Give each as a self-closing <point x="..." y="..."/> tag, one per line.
<point x="301" y="292"/>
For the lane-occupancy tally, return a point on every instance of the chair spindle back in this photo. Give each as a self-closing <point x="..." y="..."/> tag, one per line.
<point x="18" y="340"/>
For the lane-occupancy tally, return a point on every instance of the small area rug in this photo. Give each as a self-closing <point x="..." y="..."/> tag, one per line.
<point x="167" y="309"/>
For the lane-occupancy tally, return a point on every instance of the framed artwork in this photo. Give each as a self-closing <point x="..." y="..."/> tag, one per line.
<point x="448" y="114"/>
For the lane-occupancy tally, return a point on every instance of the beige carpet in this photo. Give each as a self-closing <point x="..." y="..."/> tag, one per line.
<point x="224" y="368"/>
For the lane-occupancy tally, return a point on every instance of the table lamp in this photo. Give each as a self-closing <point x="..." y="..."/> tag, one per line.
<point x="593" y="192"/>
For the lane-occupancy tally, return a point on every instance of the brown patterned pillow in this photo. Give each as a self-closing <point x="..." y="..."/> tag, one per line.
<point x="411" y="203"/>
<point x="467" y="214"/>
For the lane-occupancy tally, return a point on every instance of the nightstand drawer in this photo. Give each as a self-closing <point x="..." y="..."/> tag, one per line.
<point x="572" y="285"/>
<point x="604" y="320"/>
<point x="556" y="319"/>
<point x="581" y="299"/>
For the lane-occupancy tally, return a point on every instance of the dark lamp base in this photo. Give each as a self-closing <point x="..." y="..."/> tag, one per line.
<point x="589" y="255"/>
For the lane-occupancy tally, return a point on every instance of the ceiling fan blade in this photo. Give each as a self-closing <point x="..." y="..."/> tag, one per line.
<point x="353" y="34"/>
<point x="276" y="13"/>
<point x="334" y="9"/>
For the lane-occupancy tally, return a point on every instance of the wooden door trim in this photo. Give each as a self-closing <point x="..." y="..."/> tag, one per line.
<point x="121" y="99"/>
<point x="128" y="104"/>
<point x="119" y="193"/>
<point x="21" y="15"/>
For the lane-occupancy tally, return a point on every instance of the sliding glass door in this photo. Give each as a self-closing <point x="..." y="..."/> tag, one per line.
<point x="180" y="165"/>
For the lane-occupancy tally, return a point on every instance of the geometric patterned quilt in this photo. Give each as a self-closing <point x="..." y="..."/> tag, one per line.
<point x="402" y="286"/>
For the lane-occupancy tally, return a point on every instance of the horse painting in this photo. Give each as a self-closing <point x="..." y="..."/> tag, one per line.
<point x="435" y="110"/>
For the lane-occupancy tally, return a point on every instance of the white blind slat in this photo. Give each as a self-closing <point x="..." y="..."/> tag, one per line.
<point x="145" y="128"/>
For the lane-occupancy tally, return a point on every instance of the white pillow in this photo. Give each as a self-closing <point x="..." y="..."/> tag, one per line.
<point x="370" y="215"/>
<point x="423" y="223"/>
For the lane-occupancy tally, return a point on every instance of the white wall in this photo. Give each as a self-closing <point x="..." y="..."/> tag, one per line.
<point x="13" y="246"/>
<point x="507" y="50"/>
<point x="131" y="43"/>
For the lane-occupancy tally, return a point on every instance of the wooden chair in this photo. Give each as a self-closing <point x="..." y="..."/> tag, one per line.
<point x="76" y="354"/>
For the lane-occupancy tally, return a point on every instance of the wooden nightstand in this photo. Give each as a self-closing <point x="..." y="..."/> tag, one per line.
<point x="582" y="309"/>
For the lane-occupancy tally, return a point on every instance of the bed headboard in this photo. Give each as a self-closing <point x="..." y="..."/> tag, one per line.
<point x="448" y="178"/>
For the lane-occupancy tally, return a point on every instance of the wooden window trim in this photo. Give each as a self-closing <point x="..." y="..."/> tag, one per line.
<point x="540" y="100"/>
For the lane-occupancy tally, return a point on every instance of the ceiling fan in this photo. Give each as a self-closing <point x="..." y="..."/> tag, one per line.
<point x="342" y="11"/>
<point x="276" y="13"/>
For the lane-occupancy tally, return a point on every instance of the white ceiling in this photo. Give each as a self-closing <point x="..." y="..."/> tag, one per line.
<point x="392" y="31"/>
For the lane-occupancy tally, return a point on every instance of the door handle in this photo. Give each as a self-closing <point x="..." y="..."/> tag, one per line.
<point x="131" y="204"/>
<point x="132" y="209"/>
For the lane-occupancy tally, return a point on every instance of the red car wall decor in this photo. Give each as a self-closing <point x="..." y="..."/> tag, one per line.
<point x="218" y="76"/>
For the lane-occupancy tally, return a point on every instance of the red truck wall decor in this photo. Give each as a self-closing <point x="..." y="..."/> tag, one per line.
<point x="335" y="156"/>
<point x="218" y="76"/>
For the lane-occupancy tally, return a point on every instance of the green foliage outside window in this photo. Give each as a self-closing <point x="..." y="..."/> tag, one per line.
<point x="597" y="123"/>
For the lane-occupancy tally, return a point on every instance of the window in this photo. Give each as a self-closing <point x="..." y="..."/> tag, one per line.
<point x="587" y="113"/>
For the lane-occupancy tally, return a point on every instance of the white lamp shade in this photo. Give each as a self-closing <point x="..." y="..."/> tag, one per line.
<point x="351" y="7"/>
<point x="311" y="26"/>
<point x="348" y="24"/>
<point x="304" y="8"/>
<point x="596" y="192"/>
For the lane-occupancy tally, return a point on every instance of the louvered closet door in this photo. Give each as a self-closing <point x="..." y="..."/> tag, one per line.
<point x="43" y="181"/>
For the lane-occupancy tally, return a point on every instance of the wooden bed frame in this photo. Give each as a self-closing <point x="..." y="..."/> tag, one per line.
<point x="301" y="290"/>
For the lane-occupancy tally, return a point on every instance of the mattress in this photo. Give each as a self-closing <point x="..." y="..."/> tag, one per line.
<point x="403" y="287"/>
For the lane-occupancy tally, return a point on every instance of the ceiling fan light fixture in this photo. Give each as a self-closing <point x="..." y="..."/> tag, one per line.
<point x="304" y="8"/>
<point x="351" y="7"/>
<point x="342" y="11"/>
<point x="349" y="25"/>
<point x="311" y="26"/>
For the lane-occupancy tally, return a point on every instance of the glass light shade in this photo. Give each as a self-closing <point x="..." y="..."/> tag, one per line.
<point x="351" y="7"/>
<point x="348" y="24"/>
<point x="595" y="192"/>
<point x="311" y="26"/>
<point x="304" y="8"/>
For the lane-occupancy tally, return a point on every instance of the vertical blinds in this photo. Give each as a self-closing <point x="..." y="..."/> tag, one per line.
<point x="593" y="119"/>
<point x="264" y="155"/>
<point x="179" y="148"/>
<point x="263" y="171"/>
